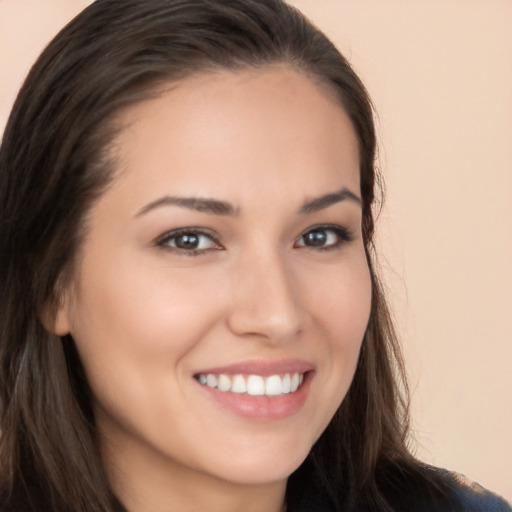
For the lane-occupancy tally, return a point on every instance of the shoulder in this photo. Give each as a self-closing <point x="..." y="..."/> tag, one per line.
<point x="474" y="498"/>
<point x="426" y="488"/>
<point x="459" y="494"/>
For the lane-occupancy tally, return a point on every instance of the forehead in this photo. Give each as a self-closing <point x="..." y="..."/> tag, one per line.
<point x="218" y="131"/>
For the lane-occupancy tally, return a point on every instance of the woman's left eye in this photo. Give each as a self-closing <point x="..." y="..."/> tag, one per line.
<point x="190" y="241"/>
<point x="324" y="237"/>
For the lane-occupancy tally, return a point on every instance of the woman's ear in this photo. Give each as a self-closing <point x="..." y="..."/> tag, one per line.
<point x="55" y="319"/>
<point x="61" y="325"/>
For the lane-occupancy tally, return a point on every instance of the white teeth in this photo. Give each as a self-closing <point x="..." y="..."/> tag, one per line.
<point x="295" y="382"/>
<point x="211" y="381"/>
<point x="224" y="383"/>
<point x="273" y="386"/>
<point x="287" y="383"/>
<point x="239" y="385"/>
<point x="254" y="385"/>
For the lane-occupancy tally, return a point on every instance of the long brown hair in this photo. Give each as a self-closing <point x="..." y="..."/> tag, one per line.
<point x="55" y="161"/>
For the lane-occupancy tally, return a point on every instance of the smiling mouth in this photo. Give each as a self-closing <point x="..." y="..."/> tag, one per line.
<point x="253" y="385"/>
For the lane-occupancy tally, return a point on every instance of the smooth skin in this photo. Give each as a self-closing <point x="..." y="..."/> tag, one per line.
<point x="255" y="276"/>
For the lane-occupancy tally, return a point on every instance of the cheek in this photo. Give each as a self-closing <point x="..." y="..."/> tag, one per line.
<point x="342" y="302"/>
<point x="134" y="330"/>
<point x="143" y="306"/>
<point x="135" y="323"/>
<point x="342" y="309"/>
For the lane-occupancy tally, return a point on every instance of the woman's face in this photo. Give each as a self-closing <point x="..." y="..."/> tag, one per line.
<point x="223" y="268"/>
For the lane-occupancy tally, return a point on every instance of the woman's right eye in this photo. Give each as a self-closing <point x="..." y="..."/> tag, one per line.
<point x="190" y="241"/>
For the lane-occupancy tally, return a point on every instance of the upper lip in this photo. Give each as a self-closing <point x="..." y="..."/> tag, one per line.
<point x="263" y="368"/>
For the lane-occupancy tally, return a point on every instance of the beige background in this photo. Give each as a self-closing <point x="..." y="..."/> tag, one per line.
<point x="440" y="73"/>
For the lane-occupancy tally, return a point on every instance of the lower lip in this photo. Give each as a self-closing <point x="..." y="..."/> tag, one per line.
<point x="265" y="408"/>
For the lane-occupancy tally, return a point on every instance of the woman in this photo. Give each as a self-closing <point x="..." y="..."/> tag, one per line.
<point x="191" y="315"/>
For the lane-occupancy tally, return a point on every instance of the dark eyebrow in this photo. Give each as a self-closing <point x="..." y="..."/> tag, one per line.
<point x="212" y="206"/>
<point x="322" y="202"/>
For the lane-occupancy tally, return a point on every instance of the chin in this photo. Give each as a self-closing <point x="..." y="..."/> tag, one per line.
<point x="262" y="467"/>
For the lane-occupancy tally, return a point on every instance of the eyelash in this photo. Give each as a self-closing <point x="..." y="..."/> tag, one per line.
<point x="343" y="235"/>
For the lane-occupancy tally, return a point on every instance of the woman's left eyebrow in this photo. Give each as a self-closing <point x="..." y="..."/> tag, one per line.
<point x="322" y="202"/>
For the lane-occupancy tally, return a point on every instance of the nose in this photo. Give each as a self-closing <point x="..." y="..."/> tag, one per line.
<point x="265" y="302"/>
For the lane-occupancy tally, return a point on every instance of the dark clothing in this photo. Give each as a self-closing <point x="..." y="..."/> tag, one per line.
<point x="468" y="497"/>
<point x="475" y="498"/>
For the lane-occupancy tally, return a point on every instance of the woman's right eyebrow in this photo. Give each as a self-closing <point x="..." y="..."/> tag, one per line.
<point x="205" y="205"/>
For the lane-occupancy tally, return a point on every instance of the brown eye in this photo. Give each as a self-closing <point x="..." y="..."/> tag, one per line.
<point x="324" y="237"/>
<point x="316" y="238"/>
<point x="189" y="240"/>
